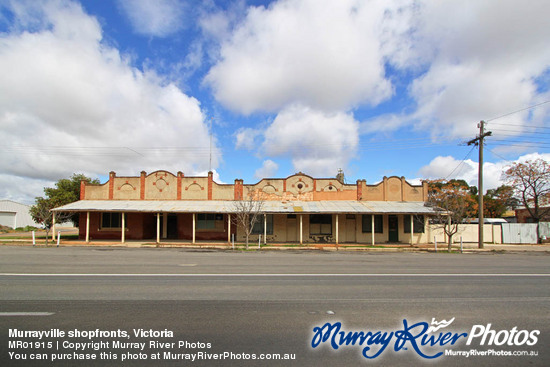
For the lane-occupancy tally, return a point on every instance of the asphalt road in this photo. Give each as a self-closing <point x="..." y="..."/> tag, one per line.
<point x="258" y="303"/>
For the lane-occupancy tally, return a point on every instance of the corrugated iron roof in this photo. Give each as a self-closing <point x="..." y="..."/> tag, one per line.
<point x="227" y="206"/>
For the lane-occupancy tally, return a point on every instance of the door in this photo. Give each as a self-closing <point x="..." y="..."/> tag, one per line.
<point x="350" y="228"/>
<point x="393" y="228"/>
<point x="291" y="228"/>
<point x="172" y="229"/>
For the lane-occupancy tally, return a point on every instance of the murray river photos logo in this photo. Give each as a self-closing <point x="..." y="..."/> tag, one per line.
<point x="427" y="340"/>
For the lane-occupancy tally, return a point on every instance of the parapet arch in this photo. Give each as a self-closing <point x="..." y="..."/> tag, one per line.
<point x="161" y="173"/>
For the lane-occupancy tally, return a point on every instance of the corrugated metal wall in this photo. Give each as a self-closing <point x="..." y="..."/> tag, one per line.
<point x="519" y="233"/>
<point x="7" y="219"/>
<point x="544" y="229"/>
<point x="15" y="214"/>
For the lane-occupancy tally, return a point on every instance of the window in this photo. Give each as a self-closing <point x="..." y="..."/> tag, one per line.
<point x="112" y="220"/>
<point x="418" y="224"/>
<point x="259" y="225"/>
<point x="209" y="221"/>
<point x="378" y="223"/>
<point x="320" y="224"/>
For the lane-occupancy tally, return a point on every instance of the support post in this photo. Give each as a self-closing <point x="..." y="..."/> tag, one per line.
<point x="265" y="228"/>
<point x="229" y="228"/>
<point x="412" y="230"/>
<point x="301" y="226"/>
<point x="480" y="183"/>
<point x="123" y="235"/>
<point x="194" y="221"/>
<point x="337" y="228"/>
<point x="53" y="226"/>
<point x="479" y="142"/>
<point x="58" y="237"/>
<point x="158" y="227"/>
<point x="87" y="227"/>
<point x="33" y="239"/>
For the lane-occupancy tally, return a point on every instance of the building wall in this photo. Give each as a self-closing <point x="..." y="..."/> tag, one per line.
<point x="163" y="185"/>
<point x="523" y="216"/>
<point x="349" y="231"/>
<point x="126" y="188"/>
<point x="14" y="215"/>
<point x="138" y="227"/>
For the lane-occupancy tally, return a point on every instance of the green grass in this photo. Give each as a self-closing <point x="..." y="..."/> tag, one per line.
<point x="41" y="237"/>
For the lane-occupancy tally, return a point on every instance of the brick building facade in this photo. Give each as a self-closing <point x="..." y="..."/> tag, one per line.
<point x="161" y="206"/>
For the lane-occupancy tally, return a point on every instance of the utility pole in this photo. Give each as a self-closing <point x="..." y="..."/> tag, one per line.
<point x="479" y="142"/>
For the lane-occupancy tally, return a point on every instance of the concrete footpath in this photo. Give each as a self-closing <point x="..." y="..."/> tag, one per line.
<point x="219" y="245"/>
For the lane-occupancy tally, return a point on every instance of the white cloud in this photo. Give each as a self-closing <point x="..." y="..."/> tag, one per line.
<point x="215" y="175"/>
<point x="19" y="189"/>
<point x="481" y="61"/>
<point x="327" y="56"/>
<point x="70" y="103"/>
<point x="159" y="18"/>
<point x="246" y="138"/>
<point x="268" y="169"/>
<point x="449" y="168"/>
<point x="318" y="142"/>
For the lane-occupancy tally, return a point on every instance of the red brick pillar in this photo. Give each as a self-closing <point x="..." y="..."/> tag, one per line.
<point x="142" y="185"/>
<point x="82" y="190"/>
<point x="210" y="180"/>
<point x="238" y="189"/>
<point x="112" y="176"/>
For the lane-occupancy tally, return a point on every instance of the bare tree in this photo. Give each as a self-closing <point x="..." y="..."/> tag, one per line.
<point x="531" y="182"/>
<point x="41" y="213"/>
<point x="453" y="202"/>
<point x="247" y="213"/>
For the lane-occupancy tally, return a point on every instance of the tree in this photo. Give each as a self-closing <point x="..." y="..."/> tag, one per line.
<point x="531" y="182"/>
<point x="247" y="213"/>
<point x="41" y="213"/>
<point x="453" y="202"/>
<point x="498" y="201"/>
<point x="65" y="191"/>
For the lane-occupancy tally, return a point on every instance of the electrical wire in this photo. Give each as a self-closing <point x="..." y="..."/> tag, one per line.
<point x="517" y="111"/>
<point x="519" y="125"/>
<point x="461" y="162"/>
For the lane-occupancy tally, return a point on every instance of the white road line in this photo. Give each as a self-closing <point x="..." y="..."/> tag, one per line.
<point x="7" y="314"/>
<point x="308" y="275"/>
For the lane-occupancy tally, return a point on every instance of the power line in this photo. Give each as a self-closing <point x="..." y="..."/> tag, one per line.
<point x="519" y="125"/>
<point x="463" y="160"/>
<point x="498" y="155"/>
<point x="521" y="110"/>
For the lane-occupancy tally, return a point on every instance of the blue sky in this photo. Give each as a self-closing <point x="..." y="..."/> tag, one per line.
<point x="376" y="88"/>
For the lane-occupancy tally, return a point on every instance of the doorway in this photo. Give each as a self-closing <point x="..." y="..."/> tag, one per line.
<point x="172" y="229"/>
<point x="393" y="228"/>
<point x="171" y="226"/>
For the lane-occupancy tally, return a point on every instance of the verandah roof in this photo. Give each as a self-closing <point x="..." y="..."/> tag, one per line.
<point x="228" y="206"/>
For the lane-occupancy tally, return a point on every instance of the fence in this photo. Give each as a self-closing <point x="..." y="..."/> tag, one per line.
<point x="521" y="233"/>
<point x="469" y="233"/>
